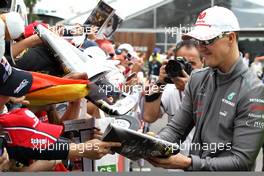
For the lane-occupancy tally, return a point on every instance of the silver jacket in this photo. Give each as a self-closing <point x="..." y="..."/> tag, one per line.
<point x="227" y="110"/>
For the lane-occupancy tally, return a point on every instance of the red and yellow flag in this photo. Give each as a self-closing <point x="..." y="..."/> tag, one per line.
<point x="48" y="89"/>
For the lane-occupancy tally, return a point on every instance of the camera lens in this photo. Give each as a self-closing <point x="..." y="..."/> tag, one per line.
<point x="173" y="68"/>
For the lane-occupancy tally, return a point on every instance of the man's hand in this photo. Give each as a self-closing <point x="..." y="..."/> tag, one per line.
<point x="58" y="29"/>
<point x="4" y="162"/>
<point x="97" y="134"/>
<point x="92" y="149"/>
<point x="78" y="30"/>
<point x="19" y="100"/>
<point x="99" y="148"/>
<point x="92" y="35"/>
<point x="131" y="82"/>
<point x="180" y="82"/>
<point x="76" y="75"/>
<point x="178" y="161"/>
<point x="150" y="133"/>
<point x="137" y="66"/>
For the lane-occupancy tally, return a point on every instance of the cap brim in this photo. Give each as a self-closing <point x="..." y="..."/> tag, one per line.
<point x="202" y="33"/>
<point x="54" y="131"/>
<point x="134" y="54"/>
<point x="18" y="83"/>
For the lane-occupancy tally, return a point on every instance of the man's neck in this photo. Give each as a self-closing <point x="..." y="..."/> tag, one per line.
<point x="230" y="60"/>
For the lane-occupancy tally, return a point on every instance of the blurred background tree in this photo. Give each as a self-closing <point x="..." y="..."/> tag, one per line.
<point x="30" y="5"/>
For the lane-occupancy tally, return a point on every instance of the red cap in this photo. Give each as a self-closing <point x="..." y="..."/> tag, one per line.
<point x="24" y="129"/>
<point x="29" y="30"/>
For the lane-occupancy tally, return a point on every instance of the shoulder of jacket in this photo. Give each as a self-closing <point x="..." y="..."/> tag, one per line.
<point x="199" y="77"/>
<point x="201" y="71"/>
<point x="200" y="74"/>
<point x="251" y="81"/>
<point x="251" y="86"/>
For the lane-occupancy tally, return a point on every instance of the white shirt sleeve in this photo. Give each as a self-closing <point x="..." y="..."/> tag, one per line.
<point x="170" y="100"/>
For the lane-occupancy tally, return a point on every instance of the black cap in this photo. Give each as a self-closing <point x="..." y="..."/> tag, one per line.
<point x="13" y="82"/>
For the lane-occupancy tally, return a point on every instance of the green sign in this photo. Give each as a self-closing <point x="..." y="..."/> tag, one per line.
<point x="107" y="168"/>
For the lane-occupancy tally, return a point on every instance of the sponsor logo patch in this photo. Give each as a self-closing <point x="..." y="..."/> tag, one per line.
<point x="223" y="113"/>
<point x="231" y="96"/>
<point x="256" y="108"/>
<point x="38" y="141"/>
<point x="23" y="84"/>
<point x="228" y="102"/>
<point x="256" y="100"/>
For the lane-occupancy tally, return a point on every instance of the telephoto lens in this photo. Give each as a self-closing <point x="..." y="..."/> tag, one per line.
<point x="175" y="67"/>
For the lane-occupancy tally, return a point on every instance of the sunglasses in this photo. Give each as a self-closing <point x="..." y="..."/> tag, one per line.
<point x="128" y="56"/>
<point x="211" y="41"/>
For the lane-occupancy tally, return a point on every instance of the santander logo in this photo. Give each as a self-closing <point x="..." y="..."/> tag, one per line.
<point x="200" y="20"/>
<point x="201" y="15"/>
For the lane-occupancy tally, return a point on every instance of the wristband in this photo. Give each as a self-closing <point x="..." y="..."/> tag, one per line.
<point x="153" y="97"/>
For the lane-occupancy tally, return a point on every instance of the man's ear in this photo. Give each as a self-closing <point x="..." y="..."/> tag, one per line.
<point x="232" y="37"/>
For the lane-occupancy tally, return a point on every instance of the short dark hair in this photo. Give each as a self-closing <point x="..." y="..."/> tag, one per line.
<point x="188" y="43"/>
<point x="237" y="36"/>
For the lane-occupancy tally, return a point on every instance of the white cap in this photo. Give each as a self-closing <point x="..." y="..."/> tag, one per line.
<point x="212" y="22"/>
<point x="129" y="49"/>
<point x="14" y="24"/>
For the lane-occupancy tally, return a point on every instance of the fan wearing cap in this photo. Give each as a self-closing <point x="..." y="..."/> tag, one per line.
<point x="154" y="63"/>
<point x="37" y="58"/>
<point x="155" y="55"/>
<point x="128" y="58"/>
<point x="127" y="51"/>
<point x="24" y="37"/>
<point x="224" y="102"/>
<point x="29" y="40"/>
<point x="14" y="25"/>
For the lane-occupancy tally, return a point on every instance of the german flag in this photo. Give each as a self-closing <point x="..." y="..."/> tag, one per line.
<point x="48" y="89"/>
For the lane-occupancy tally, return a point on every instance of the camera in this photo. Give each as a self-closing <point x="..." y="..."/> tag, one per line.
<point x="175" y="67"/>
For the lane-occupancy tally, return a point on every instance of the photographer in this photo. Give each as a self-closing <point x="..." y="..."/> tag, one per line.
<point x="224" y="102"/>
<point x="170" y="99"/>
